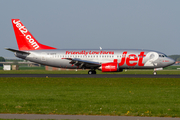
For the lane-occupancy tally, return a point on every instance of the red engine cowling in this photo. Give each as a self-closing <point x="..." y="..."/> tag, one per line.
<point x="110" y="67"/>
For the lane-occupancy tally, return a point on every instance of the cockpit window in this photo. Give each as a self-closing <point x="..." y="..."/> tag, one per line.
<point x="163" y="55"/>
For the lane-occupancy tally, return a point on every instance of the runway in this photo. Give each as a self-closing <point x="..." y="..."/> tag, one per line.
<point x="91" y="76"/>
<point x="80" y="117"/>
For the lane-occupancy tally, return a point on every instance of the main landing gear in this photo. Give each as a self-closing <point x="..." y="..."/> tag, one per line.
<point x="91" y="72"/>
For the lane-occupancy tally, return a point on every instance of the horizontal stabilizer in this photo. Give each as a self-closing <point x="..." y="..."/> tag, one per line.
<point x="13" y="50"/>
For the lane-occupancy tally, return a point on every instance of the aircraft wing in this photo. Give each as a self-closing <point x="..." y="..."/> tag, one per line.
<point x="83" y="63"/>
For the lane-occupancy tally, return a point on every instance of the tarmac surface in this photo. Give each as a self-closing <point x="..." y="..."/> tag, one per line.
<point x="79" y="117"/>
<point x="91" y="76"/>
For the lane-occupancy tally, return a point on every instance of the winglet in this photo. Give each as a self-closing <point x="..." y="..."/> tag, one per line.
<point x="24" y="38"/>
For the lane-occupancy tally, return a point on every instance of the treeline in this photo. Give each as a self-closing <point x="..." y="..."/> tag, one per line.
<point x="2" y="59"/>
<point x="175" y="57"/>
<point x="15" y="61"/>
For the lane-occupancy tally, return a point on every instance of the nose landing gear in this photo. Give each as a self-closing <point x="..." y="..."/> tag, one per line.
<point x="91" y="72"/>
<point x="155" y="73"/>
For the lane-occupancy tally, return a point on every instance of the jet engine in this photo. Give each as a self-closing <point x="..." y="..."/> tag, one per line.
<point x="110" y="67"/>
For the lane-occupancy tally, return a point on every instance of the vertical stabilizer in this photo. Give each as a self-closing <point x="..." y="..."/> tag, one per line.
<point x="24" y="38"/>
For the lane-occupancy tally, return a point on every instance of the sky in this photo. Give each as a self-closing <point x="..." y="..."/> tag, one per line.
<point x="90" y="24"/>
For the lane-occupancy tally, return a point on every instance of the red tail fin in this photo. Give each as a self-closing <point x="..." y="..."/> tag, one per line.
<point x="24" y="38"/>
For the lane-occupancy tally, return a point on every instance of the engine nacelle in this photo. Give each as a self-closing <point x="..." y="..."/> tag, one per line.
<point x="110" y="67"/>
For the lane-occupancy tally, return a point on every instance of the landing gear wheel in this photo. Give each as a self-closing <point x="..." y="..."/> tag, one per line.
<point x="155" y="73"/>
<point x="94" y="72"/>
<point x="91" y="72"/>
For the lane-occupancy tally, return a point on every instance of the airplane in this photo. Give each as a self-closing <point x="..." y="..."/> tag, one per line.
<point x="106" y="60"/>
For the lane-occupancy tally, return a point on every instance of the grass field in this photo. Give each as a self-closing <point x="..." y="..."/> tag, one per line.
<point x="174" y="67"/>
<point x="91" y="96"/>
<point x="173" y="72"/>
<point x="41" y="70"/>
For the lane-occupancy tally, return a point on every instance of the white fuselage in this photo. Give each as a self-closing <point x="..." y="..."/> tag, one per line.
<point x="127" y="59"/>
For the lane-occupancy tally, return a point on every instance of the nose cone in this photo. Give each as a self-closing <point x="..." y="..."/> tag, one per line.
<point x="171" y="61"/>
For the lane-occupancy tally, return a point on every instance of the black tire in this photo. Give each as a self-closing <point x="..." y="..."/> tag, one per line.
<point x="90" y="72"/>
<point x="94" y="72"/>
<point x="155" y="73"/>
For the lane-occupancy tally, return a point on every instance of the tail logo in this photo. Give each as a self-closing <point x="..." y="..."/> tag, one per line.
<point x="24" y="31"/>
